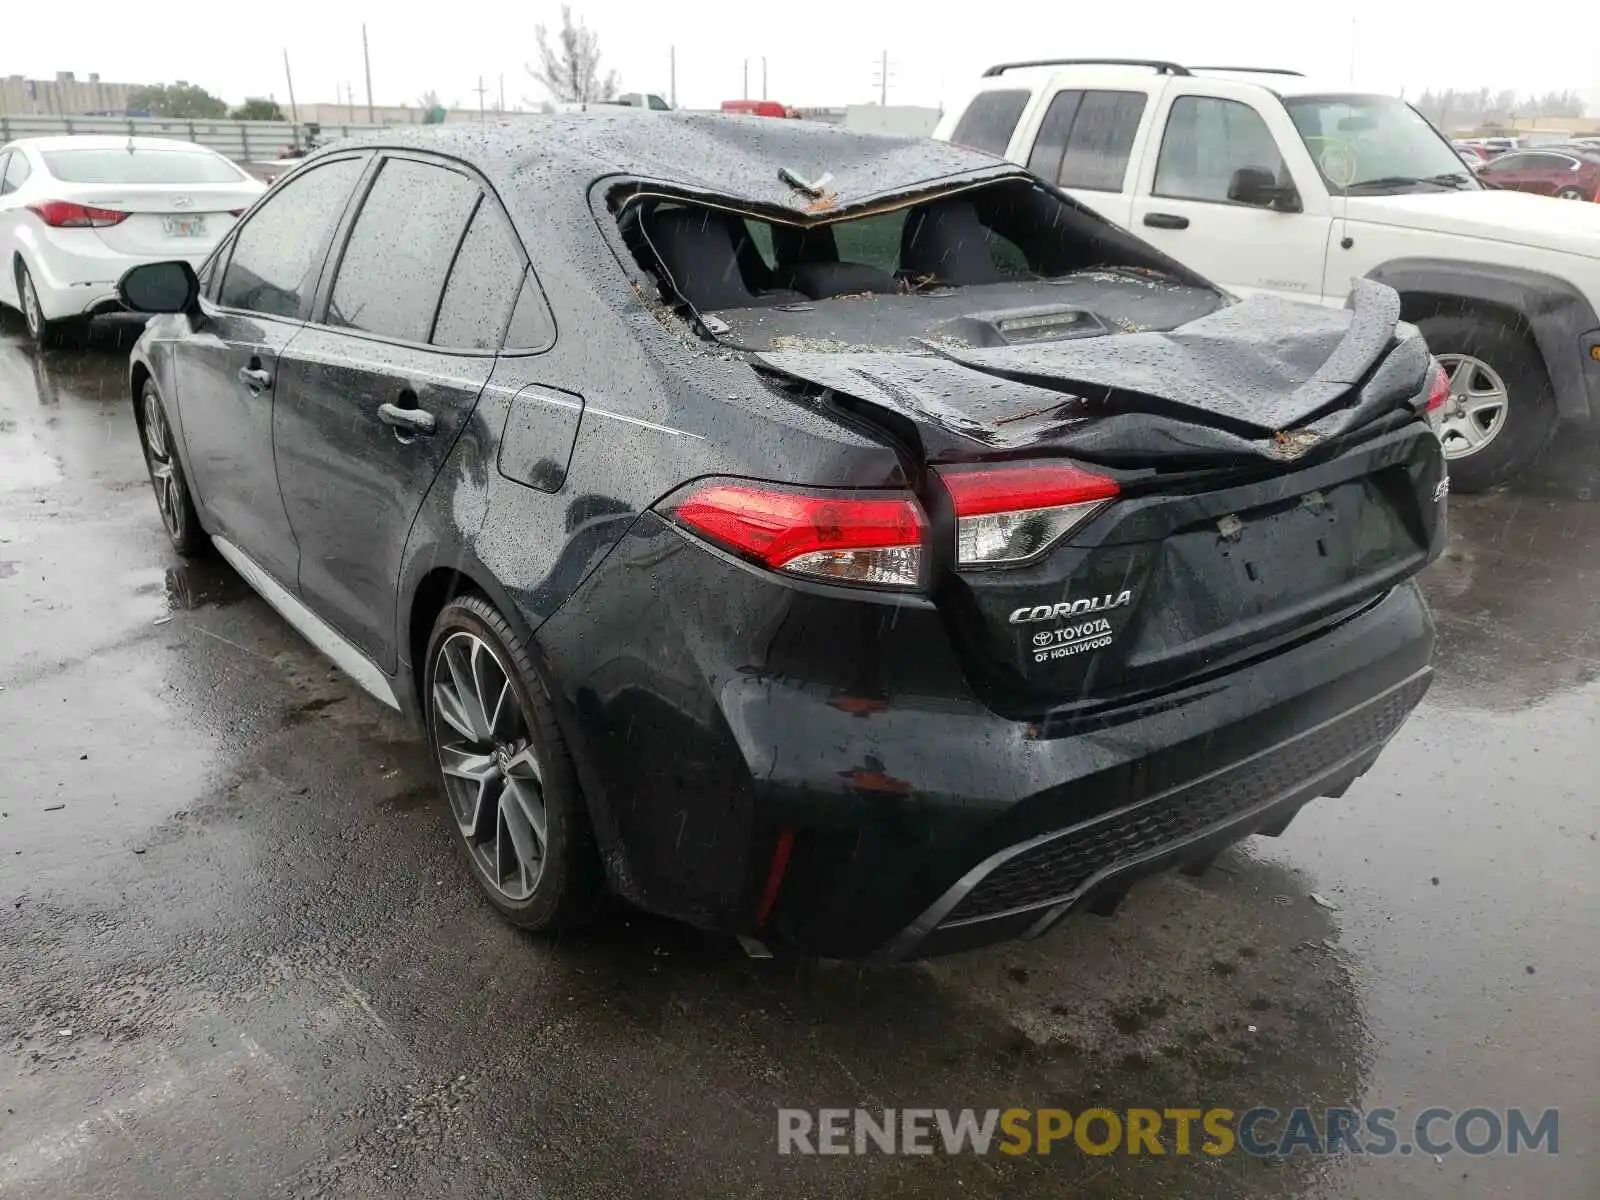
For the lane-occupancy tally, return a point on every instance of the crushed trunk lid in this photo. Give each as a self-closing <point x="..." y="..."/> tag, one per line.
<point x="1264" y="378"/>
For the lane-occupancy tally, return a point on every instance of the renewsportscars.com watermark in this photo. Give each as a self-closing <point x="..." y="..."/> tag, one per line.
<point x="1213" y="1131"/>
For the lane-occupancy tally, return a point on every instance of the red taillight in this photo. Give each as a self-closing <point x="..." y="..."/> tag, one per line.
<point x="1438" y="390"/>
<point x="846" y="538"/>
<point x="1009" y="513"/>
<point x="64" y="214"/>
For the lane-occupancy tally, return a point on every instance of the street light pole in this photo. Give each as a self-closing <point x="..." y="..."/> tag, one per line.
<point x="747" y="79"/>
<point x="763" y="76"/>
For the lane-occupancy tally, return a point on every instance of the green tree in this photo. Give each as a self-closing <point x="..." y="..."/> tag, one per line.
<point x="186" y="101"/>
<point x="256" y="109"/>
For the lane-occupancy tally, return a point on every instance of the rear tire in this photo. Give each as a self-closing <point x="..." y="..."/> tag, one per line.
<point x="510" y="786"/>
<point x="45" y="334"/>
<point x="1482" y="451"/>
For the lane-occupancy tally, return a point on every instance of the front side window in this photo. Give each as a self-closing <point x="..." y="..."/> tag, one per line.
<point x="1376" y="145"/>
<point x="990" y="120"/>
<point x="400" y="250"/>
<point x="1510" y="162"/>
<point x="483" y="285"/>
<point x="1208" y="139"/>
<point x="279" y="252"/>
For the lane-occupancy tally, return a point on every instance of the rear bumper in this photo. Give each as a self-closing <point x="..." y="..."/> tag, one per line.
<point x="75" y="273"/>
<point x="1023" y="890"/>
<point x="717" y="716"/>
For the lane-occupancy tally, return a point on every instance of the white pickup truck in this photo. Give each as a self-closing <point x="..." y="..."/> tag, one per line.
<point x="1266" y="182"/>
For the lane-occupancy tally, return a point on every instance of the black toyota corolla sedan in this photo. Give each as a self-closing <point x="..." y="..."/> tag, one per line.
<point x="848" y="543"/>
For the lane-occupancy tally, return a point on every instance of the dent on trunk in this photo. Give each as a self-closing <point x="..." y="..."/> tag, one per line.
<point x="1266" y="378"/>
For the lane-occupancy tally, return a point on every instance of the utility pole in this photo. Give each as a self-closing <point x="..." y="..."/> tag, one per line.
<point x="747" y="79"/>
<point x="672" y="76"/>
<point x="763" y="76"/>
<point x="481" y="89"/>
<point x="294" y="111"/>
<point x="1352" y="50"/>
<point x="366" y="62"/>
<point x="502" y="106"/>
<point x="350" y="101"/>
<point x="883" y="79"/>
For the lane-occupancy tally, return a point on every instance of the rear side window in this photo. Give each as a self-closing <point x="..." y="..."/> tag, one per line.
<point x="1206" y="141"/>
<point x="279" y="252"/>
<point x="483" y="285"/>
<point x="15" y="173"/>
<point x="1051" y="144"/>
<point x="530" y="319"/>
<point x="990" y="120"/>
<point x="400" y="250"/>
<point x="139" y="166"/>
<point x="1100" y="141"/>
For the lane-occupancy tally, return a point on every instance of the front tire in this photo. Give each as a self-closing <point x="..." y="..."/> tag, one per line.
<point x="510" y="786"/>
<point x="171" y="485"/>
<point x="1571" y="193"/>
<point x="1501" y="410"/>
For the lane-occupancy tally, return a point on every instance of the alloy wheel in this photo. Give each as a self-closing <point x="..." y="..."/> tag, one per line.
<point x="491" y="769"/>
<point x="158" y="456"/>
<point x="1475" y="412"/>
<point x="31" y="312"/>
<point x="1569" y="194"/>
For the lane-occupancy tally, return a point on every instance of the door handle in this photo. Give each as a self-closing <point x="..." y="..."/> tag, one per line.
<point x="255" y="378"/>
<point x="407" y="420"/>
<point x="1166" y="221"/>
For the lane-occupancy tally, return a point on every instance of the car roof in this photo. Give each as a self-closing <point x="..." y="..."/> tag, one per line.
<point x="731" y="157"/>
<point x="1282" y="83"/>
<point x="94" y="141"/>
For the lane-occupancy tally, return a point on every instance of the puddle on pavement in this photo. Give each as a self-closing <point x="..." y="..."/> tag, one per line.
<point x="190" y="585"/>
<point x="197" y="584"/>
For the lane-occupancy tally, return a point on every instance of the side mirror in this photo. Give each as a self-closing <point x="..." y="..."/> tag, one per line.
<point x="163" y="287"/>
<point x="1260" y="187"/>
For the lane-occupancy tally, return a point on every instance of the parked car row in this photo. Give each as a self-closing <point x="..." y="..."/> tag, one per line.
<point x="1268" y="182"/>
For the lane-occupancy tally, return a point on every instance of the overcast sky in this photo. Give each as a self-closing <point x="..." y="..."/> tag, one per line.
<point x="816" y="54"/>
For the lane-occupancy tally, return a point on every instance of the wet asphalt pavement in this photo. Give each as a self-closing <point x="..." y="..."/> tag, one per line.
<point x="239" y="958"/>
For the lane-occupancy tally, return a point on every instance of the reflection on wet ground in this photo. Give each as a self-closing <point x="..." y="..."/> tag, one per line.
<point x="241" y="958"/>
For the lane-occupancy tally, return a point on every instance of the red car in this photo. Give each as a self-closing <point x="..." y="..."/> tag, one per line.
<point x="1566" y="172"/>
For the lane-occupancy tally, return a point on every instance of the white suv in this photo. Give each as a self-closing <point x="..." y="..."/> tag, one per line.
<point x="1266" y="182"/>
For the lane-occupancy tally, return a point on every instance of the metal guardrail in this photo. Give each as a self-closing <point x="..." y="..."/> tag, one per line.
<point x="242" y="141"/>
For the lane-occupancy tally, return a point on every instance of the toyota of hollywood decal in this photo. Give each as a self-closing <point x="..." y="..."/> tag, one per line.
<point x="1064" y="641"/>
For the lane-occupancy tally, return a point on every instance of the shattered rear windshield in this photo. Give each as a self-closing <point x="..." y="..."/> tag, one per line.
<point x="714" y="258"/>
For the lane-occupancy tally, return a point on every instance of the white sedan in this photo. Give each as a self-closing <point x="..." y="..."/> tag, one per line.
<point x="76" y="212"/>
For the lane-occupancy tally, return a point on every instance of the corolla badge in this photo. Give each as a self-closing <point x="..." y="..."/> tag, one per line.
<point x="1069" y="608"/>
